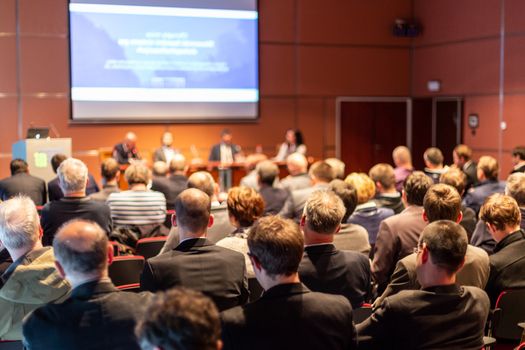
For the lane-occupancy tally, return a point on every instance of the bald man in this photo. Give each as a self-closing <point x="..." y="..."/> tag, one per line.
<point x="97" y="315"/>
<point x="298" y="169"/>
<point x="126" y="152"/>
<point x="403" y="161"/>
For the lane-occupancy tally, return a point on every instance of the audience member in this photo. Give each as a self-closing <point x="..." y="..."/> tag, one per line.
<point x="196" y="262"/>
<point x="338" y="166"/>
<point x="462" y="156"/>
<point x="367" y="213"/>
<point x="350" y="236"/>
<point x="166" y="152"/>
<point x="403" y="161"/>
<point x="293" y="143"/>
<point x="110" y="171"/>
<point x="442" y="202"/>
<point x="53" y="187"/>
<point x="221" y="227"/>
<point x="518" y="159"/>
<point x="72" y="177"/>
<point x="457" y="179"/>
<point x="398" y="235"/>
<point x="320" y="175"/>
<point x="324" y="268"/>
<point x="250" y="180"/>
<point x="180" y="319"/>
<point x="161" y="183"/>
<point x="288" y="315"/>
<point x="225" y="151"/>
<point x="20" y="182"/>
<point x="434" y="163"/>
<point x="178" y="171"/>
<point x="5" y="259"/>
<point x="31" y="280"/>
<point x="97" y="315"/>
<point x="297" y="168"/>
<point x="386" y="195"/>
<point x="245" y="206"/>
<point x="127" y="152"/>
<point x="507" y="263"/>
<point x="488" y="171"/>
<point x="442" y="314"/>
<point x="274" y="197"/>
<point x="138" y="207"/>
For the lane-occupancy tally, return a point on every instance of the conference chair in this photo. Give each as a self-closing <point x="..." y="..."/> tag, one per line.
<point x="150" y="247"/>
<point x="126" y="270"/>
<point x="508" y="313"/>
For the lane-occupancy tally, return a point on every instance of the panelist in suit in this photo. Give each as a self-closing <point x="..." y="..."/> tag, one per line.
<point x="442" y="314"/>
<point x="518" y="159"/>
<point x="323" y="267"/>
<point x="293" y="143"/>
<point x="166" y="152"/>
<point x="127" y="152"/>
<point x="225" y="151"/>
<point x="462" y="156"/>
<point x="21" y="182"/>
<point x="96" y="315"/>
<point x="196" y="262"/>
<point x="288" y="315"/>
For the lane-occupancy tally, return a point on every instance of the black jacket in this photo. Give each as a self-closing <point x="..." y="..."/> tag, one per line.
<point x="23" y="183"/>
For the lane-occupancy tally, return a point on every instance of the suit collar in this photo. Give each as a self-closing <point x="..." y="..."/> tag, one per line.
<point x="193" y="243"/>
<point x="287" y="289"/>
<point x="513" y="237"/>
<point x="87" y="290"/>
<point x="445" y="289"/>
<point x="320" y="248"/>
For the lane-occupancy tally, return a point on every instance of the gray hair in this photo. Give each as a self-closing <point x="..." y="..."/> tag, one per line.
<point x="324" y="211"/>
<point x="19" y="223"/>
<point x="338" y="166"/>
<point x="72" y="175"/>
<point x="516" y="188"/>
<point x="267" y="172"/>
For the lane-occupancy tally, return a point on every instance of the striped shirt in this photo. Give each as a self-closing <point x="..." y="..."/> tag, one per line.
<point x="137" y="207"/>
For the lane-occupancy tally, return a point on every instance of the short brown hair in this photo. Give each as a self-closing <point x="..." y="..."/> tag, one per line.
<point x="455" y="178"/>
<point x="203" y="181"/>
<point x="348" y="195"/>
<point x="516" y="188"/>
<point x="137" y="174"/>
<point x="434" y="156"/>
<point x="384" y="174"/>
<point x="489" y="166"/>
<point x="365" y="187"/>
<point x="245" y="205"/>
<point x="519" y="151"/>
<point x="56" y="160"/>
<point x="442" y="202"/>
<point x="501" y="211"/>
<point x="324" y="211"/>
<point x="192" y="210"/>
<point x="277" y="244"/>
<point x="463" y="151"/>
<point x="416" y="186"/>
<point x="109" y="168"/>
<point x="322" y="171"/>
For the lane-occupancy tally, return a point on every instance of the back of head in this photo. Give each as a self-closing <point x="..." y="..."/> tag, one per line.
<point x="109" y="168"/>
<point x="203" y="181"/>
<point x="516" y="188"/>
<point x="489" y="166"/>
<point x="245" y="205"/>
<point x="192" y="209"/>
<point x="401" y="156"/>
<point x="384" y="174"/>
<point x="278" y="245"/>
<point x="434" y="156"/>
<point x="297" y="163"/>
<point x="178" y="163"/>
<point x="137" y="173"/>
<point x="322" y="171"/>
<point x="72" y="175"/>
<point x="18" y="166"/>
<point x="19" y="223"/>
<point x="338" y="166"/>
<point x="463" y="151"/>
<point x="347" y="193"/>
<point x="501" y="211"/>
<point x="447" y="243"/>
<point x="324" y="212"/>
<point x="160" y="168"/>
<point x="416" y="186"/>
<point x="56" y="160"/>
<point x="364" y="186"/>
<point x="442" y="202"/>
<point x="253" y="159"/>
<point x="455" y="178"/>
<point x="267" y="171"/>
<point x="81" y="248"/>
<point x="519" y="151"/>
<point x="179" y="319"/>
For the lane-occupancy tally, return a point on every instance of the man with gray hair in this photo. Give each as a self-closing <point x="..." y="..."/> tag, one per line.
<point x="97" y="315"/>
<point x="274" y="197"/>
<point x="297" y="165"/>
<point x="31" y="280"/>
<point x="323" y="267"/>
<point x="73" y="177"/>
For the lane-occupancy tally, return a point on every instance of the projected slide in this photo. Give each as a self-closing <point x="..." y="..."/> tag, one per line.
<point x="168" y="61"/>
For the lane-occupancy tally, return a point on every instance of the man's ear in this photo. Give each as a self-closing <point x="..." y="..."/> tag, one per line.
<point x="174" y="219"/>
<point x="461" y="265"/>
<point x="424" y="253"/>
<point x="110" y="254"/>
<point x="460" y="217"/>
<point x="338" y="228"/>
<point x="60" y="269"/>
<point x="40" y="232"/>
<point x="425" y="218"/>
<point x="255" y="263"/>
<point x="219" y="344"/>
<point x="303" y="221"/>
<point x="210" y="221"/>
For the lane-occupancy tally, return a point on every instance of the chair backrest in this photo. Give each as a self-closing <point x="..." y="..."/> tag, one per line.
<point x="134" y="287"/>
<point x="114" y="244"/>
<point x="150" y="247"/>
<point x="509" y="311"/>
<point x="126" y="270"/>
<point x="11" y="345"/>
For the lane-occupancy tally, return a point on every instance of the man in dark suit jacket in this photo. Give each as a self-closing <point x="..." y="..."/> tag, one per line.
<point x="197" y="263"/>
<point x="166" y="152"/>
<point x="488" y="171"/>
<point x="297" y="166"/>
<point x="126" y="152"/>
<point x="178" y="169"/>
<point x="53" y="187"/>
<point x="161" y="183"/>
<point x="462" y="156"/>
<point x="502" y="217"/>
<point x="97" y="315"/>
<point x="441" y="315"/>
<point x="288" y="315"/>
<point x="518" y="159"/>
<point x="274" y="197"/>
<point x="225" y="151"/>
<point x="20" y="182"/>
<point x="386" y="194"/>
<point x="323" y="267"/>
